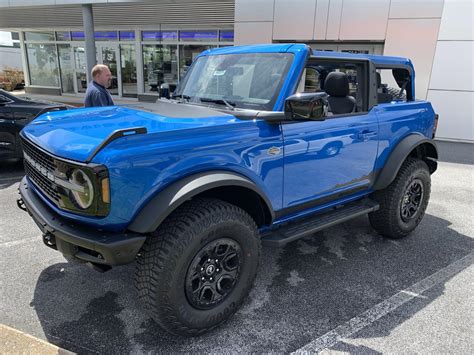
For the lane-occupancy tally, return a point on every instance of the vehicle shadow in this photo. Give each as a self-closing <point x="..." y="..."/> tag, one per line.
<point x="11" y="172"/>
<point x="302" y="291"/>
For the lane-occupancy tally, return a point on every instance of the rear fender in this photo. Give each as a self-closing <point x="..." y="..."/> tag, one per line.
<point x="414" y="145"/>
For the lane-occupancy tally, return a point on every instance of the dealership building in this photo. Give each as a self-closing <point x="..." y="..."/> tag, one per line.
<point x="149" y="45"/>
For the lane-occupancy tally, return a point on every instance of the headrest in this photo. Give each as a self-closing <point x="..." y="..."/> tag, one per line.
<point x="379" y="80"/>
<point x="337" y="84"/>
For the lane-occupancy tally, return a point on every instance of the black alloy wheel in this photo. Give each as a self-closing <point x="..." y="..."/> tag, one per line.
<point x="197" y="268"/>
<point x="213" y="273"/>
<point x="412" y="199"/>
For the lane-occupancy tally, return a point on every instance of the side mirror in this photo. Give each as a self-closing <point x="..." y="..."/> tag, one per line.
<point x="307" y="107"/>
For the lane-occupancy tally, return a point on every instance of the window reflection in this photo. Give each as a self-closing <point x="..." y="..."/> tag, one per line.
<point x="80" y="68"/>
<point x="67" y="68"/>
<point x="198" y="36"/>
<point x="43" y="64"/>
<point x="129" y="70"/>
<point x="187" y="54"/>
<point x="160" y="68"/>
<point x="39" y="36"/>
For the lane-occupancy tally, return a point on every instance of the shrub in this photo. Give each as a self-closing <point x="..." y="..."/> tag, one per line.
<point x="10" y="78"/>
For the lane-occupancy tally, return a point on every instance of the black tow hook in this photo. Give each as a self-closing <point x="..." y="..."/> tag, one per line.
<point x="21" y="204"/>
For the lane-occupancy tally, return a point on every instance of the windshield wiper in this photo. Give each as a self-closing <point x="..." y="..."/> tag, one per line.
<point x="229" y="104"/>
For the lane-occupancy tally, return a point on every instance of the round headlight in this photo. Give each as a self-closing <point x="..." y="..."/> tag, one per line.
<point x="85" y="197"/>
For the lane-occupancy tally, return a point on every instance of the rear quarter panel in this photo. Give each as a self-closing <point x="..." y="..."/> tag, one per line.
<point x="398" y="120"/>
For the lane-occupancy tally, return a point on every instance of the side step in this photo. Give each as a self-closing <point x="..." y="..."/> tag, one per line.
<point x="314" y="223"/>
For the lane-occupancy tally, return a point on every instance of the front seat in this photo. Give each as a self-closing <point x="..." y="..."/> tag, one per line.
<point x="336" y="86"/>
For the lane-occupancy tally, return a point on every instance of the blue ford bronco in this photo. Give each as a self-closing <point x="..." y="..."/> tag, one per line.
<point x="258" y="145"/>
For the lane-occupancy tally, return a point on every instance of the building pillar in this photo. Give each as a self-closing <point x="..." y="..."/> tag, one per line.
<point x="24" y="60"/>
<point x="88" y="23"/>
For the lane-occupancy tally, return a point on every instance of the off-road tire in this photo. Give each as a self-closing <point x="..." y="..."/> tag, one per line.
<point x="388" y="220"/>
<point x="167" y="255"/>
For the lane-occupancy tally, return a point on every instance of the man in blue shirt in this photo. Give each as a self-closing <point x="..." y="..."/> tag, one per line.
<point x="97" y="94"/>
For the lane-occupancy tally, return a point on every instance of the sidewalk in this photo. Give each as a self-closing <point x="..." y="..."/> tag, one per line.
<point x="13" y="341"/>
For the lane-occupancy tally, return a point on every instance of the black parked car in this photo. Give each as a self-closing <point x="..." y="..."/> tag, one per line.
<point x="16" y="113"/>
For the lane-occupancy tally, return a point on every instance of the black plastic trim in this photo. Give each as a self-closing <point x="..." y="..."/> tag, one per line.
<point x="167" y="200"/>
<point x="97" y="171"/>
<point x="317" y="222"/>
<point x="319" y="201"/>
<point x="51" y="108"/>
<point x="398" y="156"/>
<point x="114" y="135"/>
<point x="74" y="239"/>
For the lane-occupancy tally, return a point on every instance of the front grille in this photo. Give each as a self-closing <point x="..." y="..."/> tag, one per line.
<point x="44" y="184"/>
<point x="38" y="155"/>
<point x="42" y="162"/>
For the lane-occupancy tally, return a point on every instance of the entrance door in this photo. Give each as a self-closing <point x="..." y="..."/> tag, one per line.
<point x="108" y="54"/>
<point x="66" y="65"/>
<point x="80" y="67"/>
<point x="128" y="70"/>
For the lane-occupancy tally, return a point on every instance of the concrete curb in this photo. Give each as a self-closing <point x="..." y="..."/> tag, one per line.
<point x="13" y="341"/>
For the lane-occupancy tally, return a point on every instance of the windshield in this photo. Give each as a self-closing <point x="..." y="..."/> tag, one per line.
<point x="251" y="80"/>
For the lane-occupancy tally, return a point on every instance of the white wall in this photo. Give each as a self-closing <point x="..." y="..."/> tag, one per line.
<point x="294" y="19"/>
<point x="364" y="20"/>
<point x="253" y="21"/>
<point x="451" y="89"/>
<point x="437" y="35"/>
<point x="414" y="39"/>
<point x="409" y="28"/>
<point x="412" y="31"/>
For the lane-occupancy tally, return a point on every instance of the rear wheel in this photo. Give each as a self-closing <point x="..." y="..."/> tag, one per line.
<point x="197" y="269"/>
<point x="403" y="203"/>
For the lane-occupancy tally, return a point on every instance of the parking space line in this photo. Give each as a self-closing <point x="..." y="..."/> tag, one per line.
<point x="366" y="318"/>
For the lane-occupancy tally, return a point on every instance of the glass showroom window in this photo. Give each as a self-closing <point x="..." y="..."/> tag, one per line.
<point x="43" y="64"/>
<point x="67" y="68"/>
<point x="160" y="66"/>
<point x="39" y="36"/>
<point x="226" y="36"/>
<point x="187" y="54"/>
<point x="63" y="36"/>
<point x="129" y="70"/>
<point x="198" y="36"/>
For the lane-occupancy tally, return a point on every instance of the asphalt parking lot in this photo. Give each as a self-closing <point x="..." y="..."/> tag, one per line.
<point x="345" y="289"/>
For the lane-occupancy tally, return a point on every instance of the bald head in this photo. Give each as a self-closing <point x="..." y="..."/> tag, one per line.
<point x="101" y="75"/>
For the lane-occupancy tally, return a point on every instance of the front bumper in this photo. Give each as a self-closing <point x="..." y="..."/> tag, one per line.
<point x="76" y="240"/>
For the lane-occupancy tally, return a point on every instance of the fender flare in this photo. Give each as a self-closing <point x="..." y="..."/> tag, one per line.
<point x="154" y="212"/>
<point x="399" y="155"/>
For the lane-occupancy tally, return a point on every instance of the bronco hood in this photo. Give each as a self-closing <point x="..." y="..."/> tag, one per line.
<point x="75" y="134"/>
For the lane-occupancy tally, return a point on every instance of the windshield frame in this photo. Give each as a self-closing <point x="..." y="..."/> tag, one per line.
<point x="240" y="105"/>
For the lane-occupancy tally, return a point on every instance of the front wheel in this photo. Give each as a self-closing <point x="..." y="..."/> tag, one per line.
<point x="403" y="203"/>
<point x="197" y="269"/>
